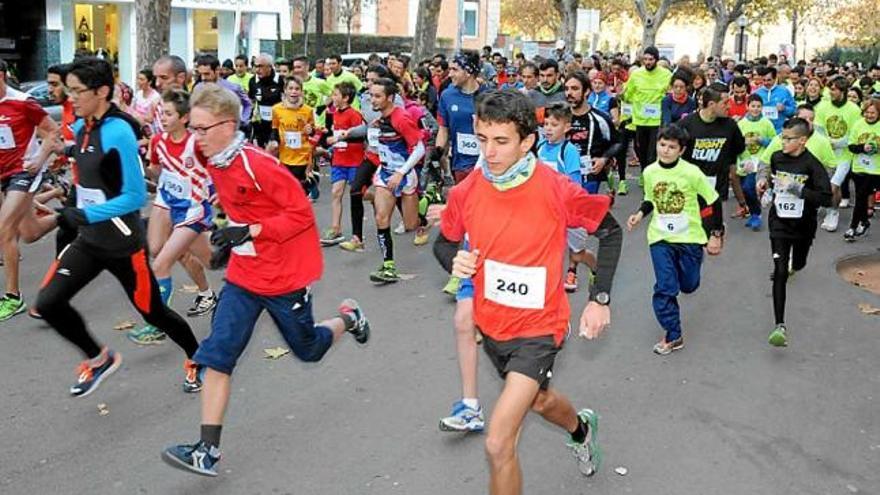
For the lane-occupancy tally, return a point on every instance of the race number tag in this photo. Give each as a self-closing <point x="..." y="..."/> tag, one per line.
<point x="515" y="286"/>
<point x="788" y="205"/>
<point x="86" y="196"/>
<point x="339" y="144"/>
<point x="175" y="185"/>
<point x="293" y="139"/>
<point x="7" y="140"/>
<point x="467" y="144"/>
<point x="866" y="162"/>
<point x="651" y="111"/>
<point x="626" y="109"/>
<point x="673" y="223"/>
<point x="770" y="112"/>
<point x="265" y="113"/>
<point x="373" y="137"/>
<point x="750" y="166"/>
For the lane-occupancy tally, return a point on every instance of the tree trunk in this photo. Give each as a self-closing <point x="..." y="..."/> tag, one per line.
<point x="306" y="34"/>
<point x="649" y="36"/>
<point x="719" y="32"/>
<point x="568" y="27"/>
<point x="425" y="39"/>
<point x="319" y="29"/>
<point x="794" y="26"/>
<point x="348" y="34"/>
<point x="154" y="29"/>
<point x="651" y="20"/>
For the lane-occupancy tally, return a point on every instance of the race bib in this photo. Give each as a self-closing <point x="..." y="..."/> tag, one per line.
<point x="866" y="162"/>
<point x="266" y="113"/>
<point x="788" y="205"/>
<point x="7" y="140"/>
<point x="770" y="112"/>
<point x="86" y="196"/>
<point x="467" y="144"/>
<point x="712" y="180"/>
<point x="373" y="137"/>
<point x="175" y="185"/>
<point x="626" y="109"/>
<point x="293" y="139"/>
<point x="340" y="144"/>
<point x="651" y="111"/>
<point x="673" y="223"/>
<point x="515" y="286"/>
<point x="750" y="166"/>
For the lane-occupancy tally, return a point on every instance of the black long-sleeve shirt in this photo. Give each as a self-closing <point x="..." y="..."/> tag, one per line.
<point x="807" y="170"/>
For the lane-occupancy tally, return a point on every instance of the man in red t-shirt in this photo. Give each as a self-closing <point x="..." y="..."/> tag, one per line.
<point x="22" y="158"/>
<point x="276" y="256"/>
<point x="515" y="213"/>
<point x="739" y="96"/>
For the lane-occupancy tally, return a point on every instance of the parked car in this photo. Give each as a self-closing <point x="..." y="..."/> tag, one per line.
<point x="39" y="91"/>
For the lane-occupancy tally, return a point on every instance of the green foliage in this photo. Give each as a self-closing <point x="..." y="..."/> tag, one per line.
<point x="866" y="55"/>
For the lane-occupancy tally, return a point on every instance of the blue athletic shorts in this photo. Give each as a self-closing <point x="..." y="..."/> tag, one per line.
<point x="466" y="287"/>
<point x="342" y="173"/>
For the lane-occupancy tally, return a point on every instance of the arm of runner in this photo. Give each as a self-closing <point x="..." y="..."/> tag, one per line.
<point x="117" y="138"/>
<point x="294" y="215"/>
<point x="444" y="251"/>
<point x="356" y="133"/>
<point x="817" y="191"/>
<point x="48" y="131"/>
<point x="610" y="237"/>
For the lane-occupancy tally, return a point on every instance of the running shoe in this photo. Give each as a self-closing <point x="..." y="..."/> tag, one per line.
<point x="463" y="418"/>
<point x="199" y="458"/>
<point x="844" y="203"/>
<point x="11" y="306"/>
<point x="400" y="229"/>
<point x="89" y="378"/>
<point x="192" y="381"/>
<point x="386" y="273"/>
<point x="421" y="238"/>
<point x="361" y="328"/>
<point x="777" y="337"/>
<point x="149" y="335"/>
<point x="831" y="218"/>
<point x="622" y="188"/>
<point x="588" y="453"/>
<point x="331" y="237"/>
<point x="849" y="235"/>
<point x="32" y="312"/>
<point x="353" y="245"/>
<point x="862" y="229"/>
<point x="452" y="286"/>
<point x="754" y="222"/>
<point x="664" y="348"/>
<point x="202" y="305"/>
<point x="571" y="282"/>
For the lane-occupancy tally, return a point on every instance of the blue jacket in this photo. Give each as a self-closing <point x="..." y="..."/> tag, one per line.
<point x="671" y="111"/>
<point x="773" y="97"/>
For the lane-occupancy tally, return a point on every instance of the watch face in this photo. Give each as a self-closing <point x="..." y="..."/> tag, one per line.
<point x="602" y="298"/>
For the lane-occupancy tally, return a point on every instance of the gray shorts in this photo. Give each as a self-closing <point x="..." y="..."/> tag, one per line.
<point x="577" y="239"/>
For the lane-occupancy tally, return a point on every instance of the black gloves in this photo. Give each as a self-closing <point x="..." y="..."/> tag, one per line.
<point x="70" y="218"/>
<point x="231" y="236"/>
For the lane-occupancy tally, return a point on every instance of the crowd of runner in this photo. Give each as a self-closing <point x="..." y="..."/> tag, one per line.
<point x="518" y="163"/>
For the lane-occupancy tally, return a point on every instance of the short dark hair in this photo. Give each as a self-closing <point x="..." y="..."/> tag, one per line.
<point x="528" y="65"/>
<point x="708" y="95"/>
<point x="805" y="106"/>
<point x="285" y="62"/>
<point x="798" y="125"/>
<point x="741" y="81"/>
<point x="347" y="90"/>
<point x="94" y="73"/>
<point x="549" y="64"/>
<point x="208" y="60"/>
<point x="443" y="64"/>
<point x="379" y="70"/>
<point x="61" y="71"/>
<point x="177" y="63"/>
<point x="558" y="110"/>
<point x="507" y="106"/>
<point x="674" y="132"/>
<point x="769" y="70"/>
<point x="243" y="58"/>
<point x="720" y="87"/>
<point x="389" y="87"/>
<point x="290" y="79"/>
<point x="581" y="77"/>
<point x="754" y="97"/>
<point x="840" y="83"/>
<point x="302" y="58"/>
<point x="337" y="57"/>
<point x="3" y="66"/>
<point x="179" y="98"/>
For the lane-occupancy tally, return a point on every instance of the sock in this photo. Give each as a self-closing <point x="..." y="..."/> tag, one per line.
<point x="10" y="295"/>
<point x="206" y="293"/>
<point x="211" y="434"/>
<point x="348" y="319"/>
<point x="165" y="288"/>
<point x="386" y="244"/>
<point x="471" y="403"/>
<point x="579" y="434"/>
<point x="99" y="359"/>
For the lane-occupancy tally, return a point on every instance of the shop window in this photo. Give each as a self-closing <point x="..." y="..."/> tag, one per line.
<point x="471" y="22"/>
<point x="205" y="31"/>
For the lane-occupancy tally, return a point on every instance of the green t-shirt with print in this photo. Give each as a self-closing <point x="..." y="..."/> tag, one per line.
<point x="835" y="122"/>
<point x="761" y="129"/>
<point x="863" y="133"/>
<point x="673" y="192"/>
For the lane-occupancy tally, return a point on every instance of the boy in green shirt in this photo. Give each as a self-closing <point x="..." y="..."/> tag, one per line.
<point x="758" y="131"/>
<point x="675" y="234"/>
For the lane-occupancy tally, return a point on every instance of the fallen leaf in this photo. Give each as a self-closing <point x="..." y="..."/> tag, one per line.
<point x="868" y="309"/>
<point x="275" y="352"/>
<point x="124" y="325"/>
<point x="189" y="289"/>
<point x="621" y="470"/>
<point x="103" y="410"/>
<point x="406" y="276"/>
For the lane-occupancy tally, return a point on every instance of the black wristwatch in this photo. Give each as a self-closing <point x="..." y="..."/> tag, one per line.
<point x="601" y="298"/>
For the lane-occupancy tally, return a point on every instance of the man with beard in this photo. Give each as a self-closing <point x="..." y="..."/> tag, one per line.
<point x="550" y="89"/>
<point x="645" y="90"/>
<point x="738" y="105"/>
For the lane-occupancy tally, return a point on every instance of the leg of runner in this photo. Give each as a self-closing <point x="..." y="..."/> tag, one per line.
<point x="158" y="231"/>
<point x="384" y="203"/>
<point x="467" y="415"/>
<point x="676" y="269"/>
<point x="14" y="206"/>
<point x="516" y="399"/>
<point x="622" y="161"/>
<point x="789" y="257"/>
<point x="362" y="180"/>
<point x="333" y="235"/>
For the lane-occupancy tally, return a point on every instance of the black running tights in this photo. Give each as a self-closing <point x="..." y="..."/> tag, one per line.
<point x="783" y="251"/>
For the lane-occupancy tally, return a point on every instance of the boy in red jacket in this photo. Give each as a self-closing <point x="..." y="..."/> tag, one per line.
<point x="276" y="256"/>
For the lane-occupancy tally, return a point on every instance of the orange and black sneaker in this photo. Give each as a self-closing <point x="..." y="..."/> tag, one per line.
<point x="192" y="382"/>
<point x="90" y="377"/>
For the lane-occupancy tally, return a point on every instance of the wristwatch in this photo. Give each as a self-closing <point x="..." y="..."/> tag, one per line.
<point x="601" y="298"/>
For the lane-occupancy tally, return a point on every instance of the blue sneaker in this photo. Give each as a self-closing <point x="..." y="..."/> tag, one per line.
<point x="89" y="378"/>
<point x="754" y="222"/>
<point x="199" y="458"/>
<point x="463" y="418"/>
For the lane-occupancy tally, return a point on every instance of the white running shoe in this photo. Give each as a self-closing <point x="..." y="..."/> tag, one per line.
<point x="844" y="203"/>
<point x="831" y="218"/>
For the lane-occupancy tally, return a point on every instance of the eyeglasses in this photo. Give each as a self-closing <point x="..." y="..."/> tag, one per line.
<point x="77" y="92"/>
<point x="201" y="131"/>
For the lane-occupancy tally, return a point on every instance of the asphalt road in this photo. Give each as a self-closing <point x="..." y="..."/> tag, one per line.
<point x="726" y="415"/>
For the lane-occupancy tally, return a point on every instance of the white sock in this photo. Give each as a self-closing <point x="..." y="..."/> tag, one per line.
<point x="471" y="403"/>
<point x="206" y="293"/>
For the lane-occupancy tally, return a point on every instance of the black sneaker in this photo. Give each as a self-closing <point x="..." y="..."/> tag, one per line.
<point x="200" y="458"/>
<point x="202" y="305"/>
<point x="90" y="378"/>
<point x="361" y="328"/>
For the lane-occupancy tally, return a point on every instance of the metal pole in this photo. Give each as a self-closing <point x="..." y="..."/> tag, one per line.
<point x="742" y="43"/>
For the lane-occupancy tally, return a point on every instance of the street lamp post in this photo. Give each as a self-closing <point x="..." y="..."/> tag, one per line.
<point x="741" y="21"/>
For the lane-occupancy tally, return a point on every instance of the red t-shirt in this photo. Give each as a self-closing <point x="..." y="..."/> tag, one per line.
<point x="520" y="234"/>
<point x="352" y="154"/>
<point x="397" y="136"/>
<point x="185" y="160"/>
<point x="738" y="109"/>
<point x="68" y="117"/>
<point x="286" y="256"/>
<point x="19" y="118"/>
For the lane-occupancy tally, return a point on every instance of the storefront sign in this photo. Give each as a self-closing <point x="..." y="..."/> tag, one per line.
<point x="281" y="6"/>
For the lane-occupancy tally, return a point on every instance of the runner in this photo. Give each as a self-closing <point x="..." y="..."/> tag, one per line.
<point x="676" y="236"/>
<point x="22" y="162"/>
<point x="242" y="76"/>
<point x="266" y="92"/>
<point x="292" y="125"/>
<point x="677" y="104"/>
<point x="778" y="101"/>
<point x="515" y="214"/>
<point x="316" y="91"/>
<point x="834" y="118"/>
<point x="169" y="72"/>
<point x="817" y="144"/>
<point x="347" y="139"/>
<point x="757" y="132"/>
<point x="276" y="257"/>
<point x="864" y="139"/>
<point x="799" y="186"/>
<point x="208" y="67"/>
<point x="181" y="212"/>
<point x="550" y="88"/>
<point x="645" y="90"/>
<point x="400" y="149"/>
<point x="109" y="194"/>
